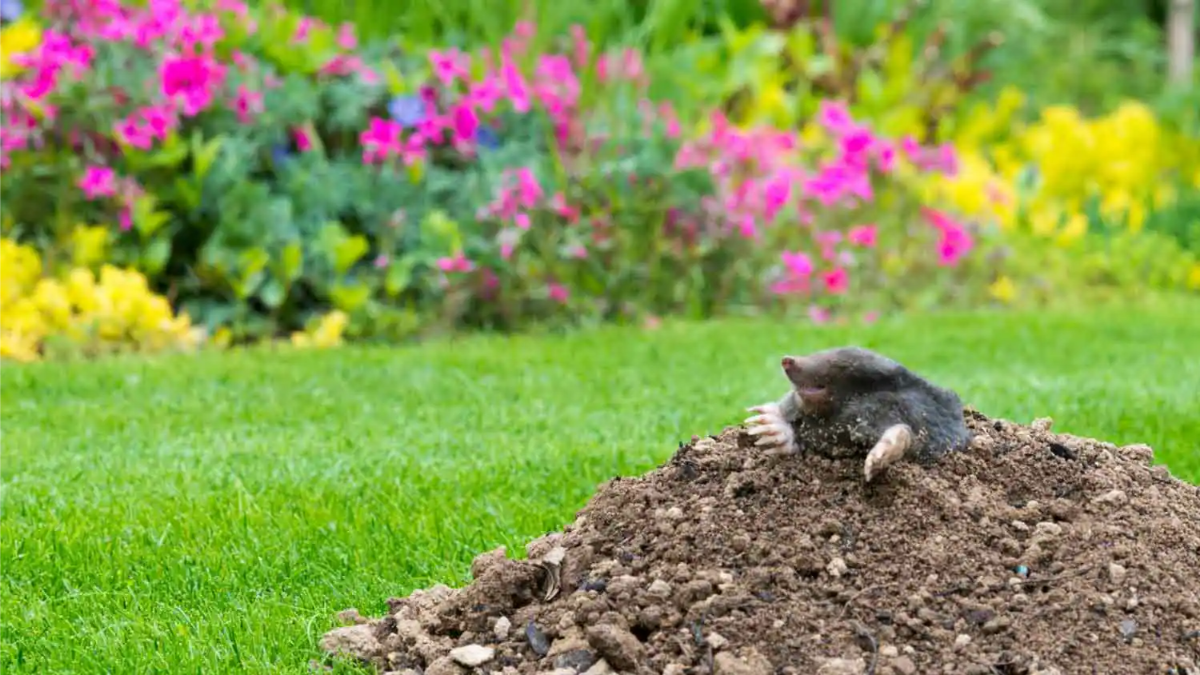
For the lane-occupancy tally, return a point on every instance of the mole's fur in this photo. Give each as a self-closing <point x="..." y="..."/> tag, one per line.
<point x="851" y="401"/>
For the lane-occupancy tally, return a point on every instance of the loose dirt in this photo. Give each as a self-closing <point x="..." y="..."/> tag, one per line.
<point x="1033" y="552"/>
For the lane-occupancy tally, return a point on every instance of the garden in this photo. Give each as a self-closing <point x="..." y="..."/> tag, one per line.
<point x="307" y="305"/>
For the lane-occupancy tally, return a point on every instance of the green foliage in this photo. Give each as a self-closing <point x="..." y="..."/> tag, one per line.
<point x="1103" y="266"/>
<point x="904" y="85"/>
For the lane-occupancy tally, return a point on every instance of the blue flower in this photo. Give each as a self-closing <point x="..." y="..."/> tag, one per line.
<point x="486" y="137"/>
<point x="280" y="154"/>
<point x="407" y="110"/>
<point x="11" y="10"/>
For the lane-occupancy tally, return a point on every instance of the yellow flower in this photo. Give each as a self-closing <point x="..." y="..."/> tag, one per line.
<point x="19" y="37"/>
<point x="89" y="245"/>
<point x="17" y="348"/>
<point x="119" y="310"/>
<point x="327" y="332"/>
<point x="1003" y="289"/>
<point x="1193" y="279"/>
<point x="52" y="301"/>
<point x="1075" y="227"/>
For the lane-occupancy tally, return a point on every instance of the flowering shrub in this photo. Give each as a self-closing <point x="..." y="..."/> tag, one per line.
<point x="274" y="178"/>
<point x="1056" y="170"/>
<point x="1061" y="178"/>
<point x="79" y="312"/>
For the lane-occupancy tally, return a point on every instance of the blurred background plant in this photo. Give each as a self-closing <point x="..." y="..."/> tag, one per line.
<point x="369" y="173"/>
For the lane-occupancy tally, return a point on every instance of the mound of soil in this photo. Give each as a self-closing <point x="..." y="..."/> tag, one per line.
<point x="1033" y="552"/>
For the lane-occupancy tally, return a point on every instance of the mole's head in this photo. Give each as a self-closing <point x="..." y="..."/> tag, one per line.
<point x="824" y="380"/>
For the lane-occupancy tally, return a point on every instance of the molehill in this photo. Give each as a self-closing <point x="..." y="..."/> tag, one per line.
<point x="1032" y="552"/>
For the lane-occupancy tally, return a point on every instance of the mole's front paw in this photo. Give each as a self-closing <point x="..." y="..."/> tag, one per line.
<point x="889" y="450"/>
<point x="773" y="431"/>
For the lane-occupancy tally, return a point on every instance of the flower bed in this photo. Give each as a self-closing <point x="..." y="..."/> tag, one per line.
<point x="271" y="176"/>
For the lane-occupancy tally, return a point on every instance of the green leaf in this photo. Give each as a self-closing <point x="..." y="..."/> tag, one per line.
<point x="291" y="262"/>
<point x="441" y="229"/>
<point x="252" y="261"/>
<point x="155" y="255"/>
<point x="395" y="80"/>
<point x="188" y="191"/>
<point x="349" y="251"/>
<point x="272" y="293"/>
<point x="204" y="154"/>
<point x="168" y="155"/>
<point x="399" y="276"/>
<point x="146" y="219"/>
<point x="349" y="297"/>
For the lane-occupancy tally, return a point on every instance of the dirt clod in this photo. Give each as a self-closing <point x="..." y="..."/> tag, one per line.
<point x="1031" y="552"/>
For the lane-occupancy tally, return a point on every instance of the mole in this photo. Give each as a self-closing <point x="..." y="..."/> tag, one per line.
<point x="851" y="401"/>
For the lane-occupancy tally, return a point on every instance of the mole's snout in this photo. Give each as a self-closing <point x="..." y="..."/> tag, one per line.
<point x="789" y="363"/>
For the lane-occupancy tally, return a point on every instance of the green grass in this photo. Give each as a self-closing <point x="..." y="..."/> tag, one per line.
<point x="212" y="514"/>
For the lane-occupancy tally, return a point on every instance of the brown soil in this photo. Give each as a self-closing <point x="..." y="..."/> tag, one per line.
<point x="1034" y="552"/>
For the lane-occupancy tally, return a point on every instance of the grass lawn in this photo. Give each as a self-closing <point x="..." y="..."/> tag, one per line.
<point x="212" y="514"/>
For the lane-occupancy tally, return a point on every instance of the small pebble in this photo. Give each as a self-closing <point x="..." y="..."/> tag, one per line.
<point x="1116" y="572"/>
<point x="1111" y="497"/>
<point x="500" y="630"/>
<point x="472" y="655"/>
<point x="962" y="640"/>
<point x="889" y="651"/>
<point x="659" y="589"/>
<point x="1048" y="528"/>
<point x="836" y="567"/>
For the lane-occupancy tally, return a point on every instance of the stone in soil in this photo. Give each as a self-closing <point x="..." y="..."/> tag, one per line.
<point x="1032" y="552"/>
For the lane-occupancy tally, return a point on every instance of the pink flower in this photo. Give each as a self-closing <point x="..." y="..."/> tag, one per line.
<point x="863" y="235"/>
<point x="818" y="314"/>
<point x="448" y="66"/>
<point x="580" y="47"/>
<point x="955" y="242"/>
<point x="134" y="133"/>
<point x="747" y="227"/>
<point x="672" y="120"/>
<point x="303" y="142"/>
<point x="302" y="30"/>
<point x="828" y="242"/>
<point x="382" y="261"/>
<point x="870" y="317"/>
<point x="247" y="104"/>
<point x="458" y="263"/>
<point x="346" y="38"/>
<point x="558" y="203"/>
<point x="836" y="280"/>
<point x="798" y="263"/>
<point x="777" y="193"/>
<point x="557" y="292"/>
<point x="515" y="86"/>
<point x="98" y="181"/>
<point x="485" y="93"/>
<point x="522" y="220"/>
<point x="886" y="157"/>
<point x="465" y="124"/>
<point x="125" y="219"/>
<point x="380" y="139"/>
<point x="530" y="190"/>
<point x="191" y="81"/>
<point x="835" y="117"/>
